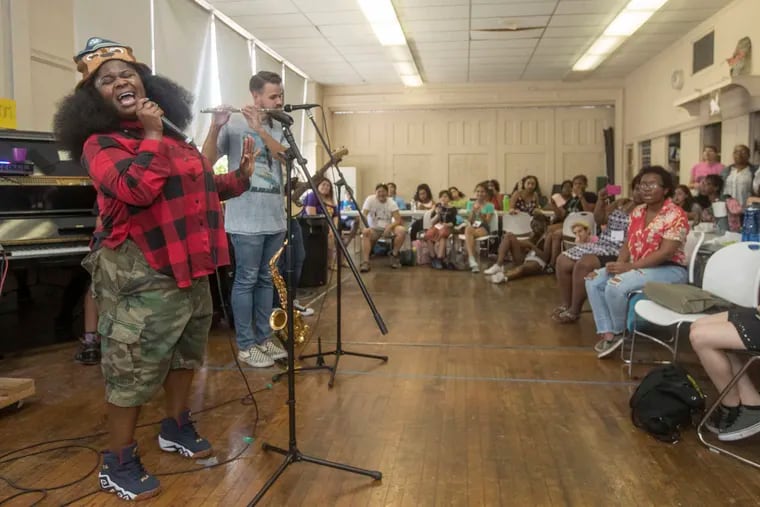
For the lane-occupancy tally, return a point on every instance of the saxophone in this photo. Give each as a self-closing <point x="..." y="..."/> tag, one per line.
<point x="278" y="320"/>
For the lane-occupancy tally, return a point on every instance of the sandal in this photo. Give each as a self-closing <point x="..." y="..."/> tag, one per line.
<point x="558" y="310"/>
<point x="565" y="317"/>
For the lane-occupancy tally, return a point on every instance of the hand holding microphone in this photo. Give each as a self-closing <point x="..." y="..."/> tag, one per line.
<point x="150" y="115"/>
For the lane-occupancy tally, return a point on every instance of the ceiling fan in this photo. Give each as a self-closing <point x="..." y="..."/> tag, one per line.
<point x="509" y="27"/>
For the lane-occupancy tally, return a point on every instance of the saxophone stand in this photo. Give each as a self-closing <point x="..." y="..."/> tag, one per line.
<point x="341" y="253"/>
<point x="292" y="453"/>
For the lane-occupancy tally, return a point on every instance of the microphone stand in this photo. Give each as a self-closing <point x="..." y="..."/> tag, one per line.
<point x="292" y="453"/>
<point x="341" y="252"/>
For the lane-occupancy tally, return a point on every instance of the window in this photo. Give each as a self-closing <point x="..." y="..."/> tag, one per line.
<point x="703" y="52"/>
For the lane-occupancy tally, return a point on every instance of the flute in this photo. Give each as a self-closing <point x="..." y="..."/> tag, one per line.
<point x="211" y="110"/>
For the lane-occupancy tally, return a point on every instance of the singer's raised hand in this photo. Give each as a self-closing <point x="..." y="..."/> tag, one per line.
<point x="248" y="160"/>
<point x="252" y="116"/>
<point x="221" y="115"/>
<point x="149" y="115"/>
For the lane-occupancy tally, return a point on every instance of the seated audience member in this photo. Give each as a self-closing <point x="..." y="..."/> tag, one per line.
<point x="527" y="198"/>
<point x="682" y="196"/>
<point x="580" y="200"/>
<point x="714" y="339"/>
<point x="313" y="207"/>
<point x="443" y="221"/>
<point x="559" y="199"/>
<point x="653" y="252"/>
<point x="708" y="165"/>
<point x="422" y="201"/>
<point x="349" y="224"/>
<point x="395" y="197"/>
<point x="527" y="257"/>
<point x="710" y="190"/>
<point x="739" y="176"/>
<point x="423" y="198"/>
<point x="458" y="199"/>
<point x="583" y="234"/>
<point x="479" y="214"/>
<point x="384" y="222"/>
<point x="497" y="198"/>
<point x="574" y="264"/>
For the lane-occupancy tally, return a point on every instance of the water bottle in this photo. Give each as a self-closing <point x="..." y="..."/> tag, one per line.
<point x="751" y="225"/>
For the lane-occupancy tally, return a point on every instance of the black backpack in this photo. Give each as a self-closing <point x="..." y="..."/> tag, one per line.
<point x="667" y="399"/>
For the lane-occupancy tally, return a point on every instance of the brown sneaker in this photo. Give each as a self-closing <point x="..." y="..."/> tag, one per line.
<point x="364" y="267"/>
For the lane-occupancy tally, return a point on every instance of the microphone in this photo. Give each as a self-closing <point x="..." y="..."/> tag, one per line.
<point x="168" y="125"/>
<point x="281" y="117"/>
<point x="296" y="107"/>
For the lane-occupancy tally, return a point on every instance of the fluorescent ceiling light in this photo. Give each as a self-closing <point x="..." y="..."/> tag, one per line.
<point x="413" y="80"/>
<point x="588" y="62"/>
<point x="645" y="5"/>
<point x="605" y="45"/>
<point x="625" y="24"/>
<point x="382" y="18"/>
<point x="405" y="68"/>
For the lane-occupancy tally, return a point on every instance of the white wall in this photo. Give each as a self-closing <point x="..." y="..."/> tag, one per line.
<point x="649" y="98"/>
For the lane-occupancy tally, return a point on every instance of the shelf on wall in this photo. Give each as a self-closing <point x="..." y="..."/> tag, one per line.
<point x="692" y="102"/>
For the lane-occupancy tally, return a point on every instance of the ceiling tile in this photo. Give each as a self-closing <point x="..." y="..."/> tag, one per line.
<point x="510" y="23"/>
<point x="536" y="8"/>
<point x="412" y="28"/>
<point x="255" y="7"/>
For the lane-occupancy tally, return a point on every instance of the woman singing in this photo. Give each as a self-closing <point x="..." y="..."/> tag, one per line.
<point x="162" y="236"/>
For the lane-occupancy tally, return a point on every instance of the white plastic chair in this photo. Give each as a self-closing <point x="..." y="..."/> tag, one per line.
<point x="585" y="217"/>
<point x="732" y="273"/>
<point x="493" y="234"/>
<point x="517" y="224"/>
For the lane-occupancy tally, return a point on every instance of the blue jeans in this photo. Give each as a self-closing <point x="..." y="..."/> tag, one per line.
<point x="299" y="256"/>
<point x="252" y="289"/>
<point x="608" y="294"/>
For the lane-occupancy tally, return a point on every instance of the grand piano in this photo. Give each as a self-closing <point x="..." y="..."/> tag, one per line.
<point x="46" y="222"/>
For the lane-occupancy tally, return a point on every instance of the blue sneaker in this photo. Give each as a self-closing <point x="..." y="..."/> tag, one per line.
<point x="183" y="438"/>
<point x="124" y="475"/>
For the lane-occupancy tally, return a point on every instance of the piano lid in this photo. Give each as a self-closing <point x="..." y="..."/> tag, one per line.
<point x="58" y="186"/>
<point x="42" y="150"/>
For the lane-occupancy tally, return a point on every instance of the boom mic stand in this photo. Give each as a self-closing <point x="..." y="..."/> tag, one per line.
<point x="341" y="251"/>
<point x="292" y="453"/>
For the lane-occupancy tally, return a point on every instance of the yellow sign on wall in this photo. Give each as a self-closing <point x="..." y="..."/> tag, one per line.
<point x="7" y="113"/>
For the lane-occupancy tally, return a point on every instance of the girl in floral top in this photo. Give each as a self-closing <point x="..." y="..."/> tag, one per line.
<point x="527" y="198"/>
<point x="654" y="251"/>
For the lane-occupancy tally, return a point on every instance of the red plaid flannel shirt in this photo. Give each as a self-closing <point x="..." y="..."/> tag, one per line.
<point x="164" y="196"/>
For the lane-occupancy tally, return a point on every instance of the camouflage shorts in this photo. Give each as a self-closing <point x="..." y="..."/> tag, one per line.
<point x="148" y="325"/>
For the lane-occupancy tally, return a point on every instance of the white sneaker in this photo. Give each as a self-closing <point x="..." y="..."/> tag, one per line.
<point x="474" y="266"/>
<point x="306" y="312"/>
<point x="255" y="357"/>
<point x="498" y="277"/>
<point x="494" y="269"/>
<point x="273" y="349"/>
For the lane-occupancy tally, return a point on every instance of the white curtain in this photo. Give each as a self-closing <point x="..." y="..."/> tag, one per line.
<point x="266" y="62"/>
<point x="185" y="53"/>
<point x="294" y="87"/>
<point x="234" y="66"/>
<point x="106" y="19"/>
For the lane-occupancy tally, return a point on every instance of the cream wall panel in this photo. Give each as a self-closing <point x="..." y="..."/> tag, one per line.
<point x="660" y="151"/>
<point x="579" y="148"/>
<point x="461" y="147"/>
<point x="465" y="171"/>
<point x="691" y="152"/>
<point x="6" y="55"/>
<point x="50" y="83"/>
<point x="527" y="145"/>
<point x="108" y="19"/>
<point x="734" y="131"/>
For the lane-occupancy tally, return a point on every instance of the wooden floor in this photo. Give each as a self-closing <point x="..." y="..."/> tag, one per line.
<point x="484" y="401"/>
